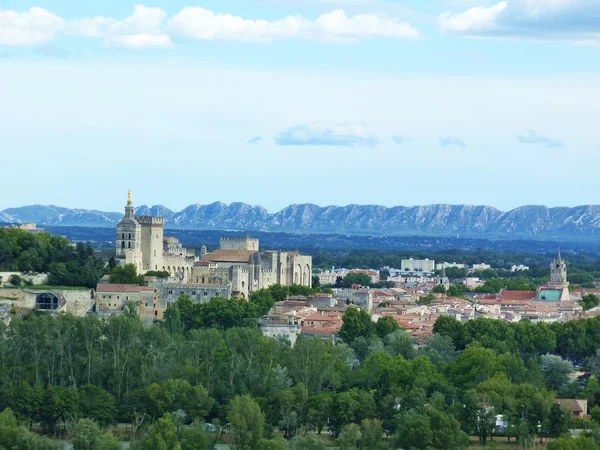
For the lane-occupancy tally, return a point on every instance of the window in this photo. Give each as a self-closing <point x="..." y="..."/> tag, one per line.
<point x="129" y="236"/>
<point x="146" y="305"/>
<point x="205" y="293"/>
<point x="123" y="244"/>
<point x="123" y="236"/>
<point x="168" y="304"/>
<point x="170" y="292"/>
<point x="129" y="245"/>
<point x="193" y="292"/>
<point x="181" y="293"/>
<point x="117" y="297"/>
<point x="127" y="297"/>
<point x="156" y="313"/>
<point x="154" y="252"/>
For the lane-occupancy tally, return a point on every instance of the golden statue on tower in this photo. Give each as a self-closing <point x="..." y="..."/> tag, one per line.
<point x="129" y="200"/>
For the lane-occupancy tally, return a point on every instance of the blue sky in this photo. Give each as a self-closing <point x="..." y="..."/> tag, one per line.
<point x="274" y="102"/>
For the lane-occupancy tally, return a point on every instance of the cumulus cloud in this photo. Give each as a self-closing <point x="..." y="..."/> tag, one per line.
<point x="345" y="135"/>
<point x="143" y="29"/>
<point x="568" y="20"/>
<point x="255" y="140"/>
<point x="203" y="24"/>
<point x="148" y="27"/>
<point x="449" y="141"/>
<point x="398" y="139"/>
<point x="533" y="138"/>
<point x="32" y="27"/>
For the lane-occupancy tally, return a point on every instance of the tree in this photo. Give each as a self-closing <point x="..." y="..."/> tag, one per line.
<point x="439" y="289"/>
<point x="590" y="301"/>
<point x="400" y="343"/>
<point x="307" y="442"/>
<point x="386" y="325"/>
<point x="98" y="405"/>
<point x="87" y="435"/>
<point x="356" y="278"/>
<point x="356" y="323"/>
<point x="246" y="423"/>
<point x="126" y="274"/>
<point x="15" y="280"/>
<point x="14" y="437"/>
<point x="558" y="421"/>
<point x="413" y="430"/>
<point x="195" y="438"/>
<point x="350" y="437"/>
<point x="162" y="435"/>
<point x="318" y="409"/>
<point x="426" y="299"/>
<point x="556" y="371"/>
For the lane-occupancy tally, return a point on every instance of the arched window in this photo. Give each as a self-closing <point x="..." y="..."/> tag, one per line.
<point x="123" y="244"/>
<point x="129" y="236"/>
<point x="129" y="244"/>
<point x="123" y="236"/>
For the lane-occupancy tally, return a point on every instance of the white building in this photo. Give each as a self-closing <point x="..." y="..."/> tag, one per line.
<point x="417" y="265"/>
<point x="482" y="266"/>
<point x="447" y="265"/>
<point x="515" y="268"/>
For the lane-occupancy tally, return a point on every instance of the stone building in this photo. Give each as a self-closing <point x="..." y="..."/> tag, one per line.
<point x="240" y="262"/>
<point x="140" y="241"/>
<point x="112" y="299"/>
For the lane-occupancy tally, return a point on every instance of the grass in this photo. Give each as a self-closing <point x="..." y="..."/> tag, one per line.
<point x="42" y="287"/>
<point x="501" y="443"/>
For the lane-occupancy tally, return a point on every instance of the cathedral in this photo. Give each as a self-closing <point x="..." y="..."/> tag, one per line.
<point x="141" y="242"/>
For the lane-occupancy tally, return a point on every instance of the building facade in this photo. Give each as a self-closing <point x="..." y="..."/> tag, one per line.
<point x="417" y="265"/>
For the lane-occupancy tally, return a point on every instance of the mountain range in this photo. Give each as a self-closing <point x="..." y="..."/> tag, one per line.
<point x="538" y="222"/>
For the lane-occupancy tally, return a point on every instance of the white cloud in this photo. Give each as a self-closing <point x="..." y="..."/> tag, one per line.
<point x="143" y="29"/>
<point x="474" y="19"/>
<point x="533" y="138"/>
<point x="32" y="27"/>
<point x="147" y="27"/>
<point x="204" y="24"/>
<point x="450" y="141"/>
<point x="317" y="134"/>
<point x="575" y="21"/>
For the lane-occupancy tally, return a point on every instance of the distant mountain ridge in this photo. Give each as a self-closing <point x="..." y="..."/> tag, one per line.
<point x="539" y="222"/>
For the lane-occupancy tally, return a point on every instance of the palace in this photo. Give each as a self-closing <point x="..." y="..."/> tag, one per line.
<point x="237" y="268"/>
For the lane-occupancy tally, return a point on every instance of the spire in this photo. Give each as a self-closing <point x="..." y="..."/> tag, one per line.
<point x="558" y="258"/>
<point x="129" y="200"/>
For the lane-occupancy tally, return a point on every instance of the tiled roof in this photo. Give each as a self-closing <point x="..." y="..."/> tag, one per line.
<point x="122" y="288"/>
<point x="517" y="295"/>
<point x="574" y="405"/>
<point x="235" y="256"/>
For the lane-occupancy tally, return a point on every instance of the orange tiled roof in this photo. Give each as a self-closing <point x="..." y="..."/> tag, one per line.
<point x="122" y="288"/>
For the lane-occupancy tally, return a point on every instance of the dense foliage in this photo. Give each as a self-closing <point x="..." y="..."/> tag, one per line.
<point x="65" y="264"/>
<point x="192" y="370"/>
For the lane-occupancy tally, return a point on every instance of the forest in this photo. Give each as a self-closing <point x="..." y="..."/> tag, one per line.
<point x="200" y="377"/>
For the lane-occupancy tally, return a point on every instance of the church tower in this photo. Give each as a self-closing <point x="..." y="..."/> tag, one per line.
<point x="558" y="272"/>
<point x="128" y="242"/>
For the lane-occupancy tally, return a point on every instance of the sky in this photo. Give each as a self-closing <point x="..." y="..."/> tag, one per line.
<point x="276" y="102"/>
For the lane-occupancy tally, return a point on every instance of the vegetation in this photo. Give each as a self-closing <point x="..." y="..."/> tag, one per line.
<point x="65" y="264"/>
<point x="374" y="390"/>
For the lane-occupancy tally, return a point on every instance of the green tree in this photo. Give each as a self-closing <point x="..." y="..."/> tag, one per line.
<point x="556" y="371"/>
<point x="246" y="422"/>
<point x="356" y="323"/>
<point x="307" y="442"/>
<point x="358" y="278"/>
<point x="386" y="325"/>
<point x="14" y="437"/>
<point x="426" y="299"/>
<point x="126" y="274"/>
<point x="162" y="435"/>
<point x="350" y="437"/>
<point x="87" y="435"/>
<point x="195" y="438"/>
<point x="98" y="405"/>
<point x="15" y="280"/>
<point x="590" y="301"/>
<point x="439" y="289"/>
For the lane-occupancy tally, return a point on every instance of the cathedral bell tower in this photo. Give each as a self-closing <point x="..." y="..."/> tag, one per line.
<point x="558" y="272"/>
<point x="128" y="241"/>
